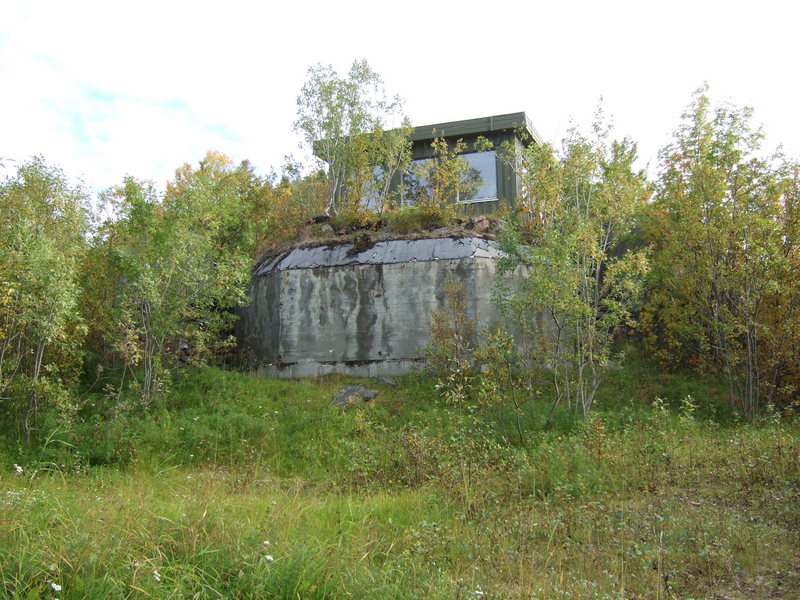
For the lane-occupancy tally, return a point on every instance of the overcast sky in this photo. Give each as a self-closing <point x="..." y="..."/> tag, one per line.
<point x="108" y="88"/>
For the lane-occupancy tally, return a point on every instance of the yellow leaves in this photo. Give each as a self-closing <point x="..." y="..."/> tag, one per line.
<point x="216" y="161"/>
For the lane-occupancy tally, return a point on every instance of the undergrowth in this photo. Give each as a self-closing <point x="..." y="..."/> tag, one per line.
<point x="234" y="486"/>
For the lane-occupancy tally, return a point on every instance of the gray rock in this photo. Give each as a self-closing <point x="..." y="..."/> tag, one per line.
<point x="480" y="224"/>
<point x="441" y="231"/>
<point x="352" y="394"/>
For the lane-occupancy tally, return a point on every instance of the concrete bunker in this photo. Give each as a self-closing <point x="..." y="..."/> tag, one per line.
<point x="333" y="309"/>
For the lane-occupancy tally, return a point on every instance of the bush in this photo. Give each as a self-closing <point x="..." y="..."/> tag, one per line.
<point x="419" y="219"/>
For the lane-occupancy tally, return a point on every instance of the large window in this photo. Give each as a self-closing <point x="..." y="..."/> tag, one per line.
<point x="479" y="179"/>
<point x="485" y="164"/>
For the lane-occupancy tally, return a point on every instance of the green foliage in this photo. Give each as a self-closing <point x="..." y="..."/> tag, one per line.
<point x="410" y="497"/>
<point x="417" y="219"/>
<point x="389" y="154"/>
<point x="452" y="342"/>
<point x="722" y="293"/>
<point x="466" y="486"/>
<point x="504" y="380"/>
<point x="230" y="201"/>
<point x="177" y="267"/>
<point x="43" y="224"/>
<point x="452" y="331"/>
<point x="437" y="184"/>
<point x="342" y="120"/>
<point x="352" y="218"/>
<point x="290" y="204"/>
<point x="572" y="280"/>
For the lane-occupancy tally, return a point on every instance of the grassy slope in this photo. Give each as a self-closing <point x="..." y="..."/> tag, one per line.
<point x="408" y="498"/>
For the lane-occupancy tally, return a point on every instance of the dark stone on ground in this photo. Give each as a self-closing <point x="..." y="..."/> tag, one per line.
<point x="352" y="394"/>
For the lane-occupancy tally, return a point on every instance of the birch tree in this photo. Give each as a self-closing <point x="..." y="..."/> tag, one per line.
<point x="179" y="264"/>
<point x="337" y="117"/>
<point x="725" y="253"/>
<point x="43" y="228"/>
<point x="580" y="281"/>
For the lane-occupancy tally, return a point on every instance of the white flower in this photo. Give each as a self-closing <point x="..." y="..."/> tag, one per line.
<point x="156" y="575"/>
<point x="18" y="469"/>
<point x="56" y="587"/>
<point x="266" y="542"/>
<point x="268" y="558"/>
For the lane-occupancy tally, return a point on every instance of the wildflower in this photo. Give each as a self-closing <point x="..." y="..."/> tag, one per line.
<point x="156" y="575"/>
<point x="56" y="587"/>
<point x="266" y="542"/>
<point x="268" y="558"/>
<point x="479" y="592"/>
<point x="18" y="469"/>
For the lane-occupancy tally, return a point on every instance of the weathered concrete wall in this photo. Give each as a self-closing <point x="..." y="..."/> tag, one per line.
<point x="317" y="310"/>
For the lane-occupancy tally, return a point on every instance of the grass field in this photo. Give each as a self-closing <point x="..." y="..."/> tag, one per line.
<point x="238" y="487"/>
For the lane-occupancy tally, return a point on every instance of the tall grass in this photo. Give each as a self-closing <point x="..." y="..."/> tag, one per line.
<point x="405" y="498"/>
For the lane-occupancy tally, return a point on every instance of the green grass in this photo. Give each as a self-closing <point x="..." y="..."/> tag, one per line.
<point x="406" y="498"/>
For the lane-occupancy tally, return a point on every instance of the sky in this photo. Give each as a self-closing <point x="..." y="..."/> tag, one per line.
<point x="104" y="89"/>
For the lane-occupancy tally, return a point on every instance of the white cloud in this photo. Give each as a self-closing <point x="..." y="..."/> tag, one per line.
<point x="108" y="88"/>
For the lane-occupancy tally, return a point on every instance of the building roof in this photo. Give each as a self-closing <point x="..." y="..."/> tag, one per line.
<point x="384" y="252"/>
<point x="518" y="122"/>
